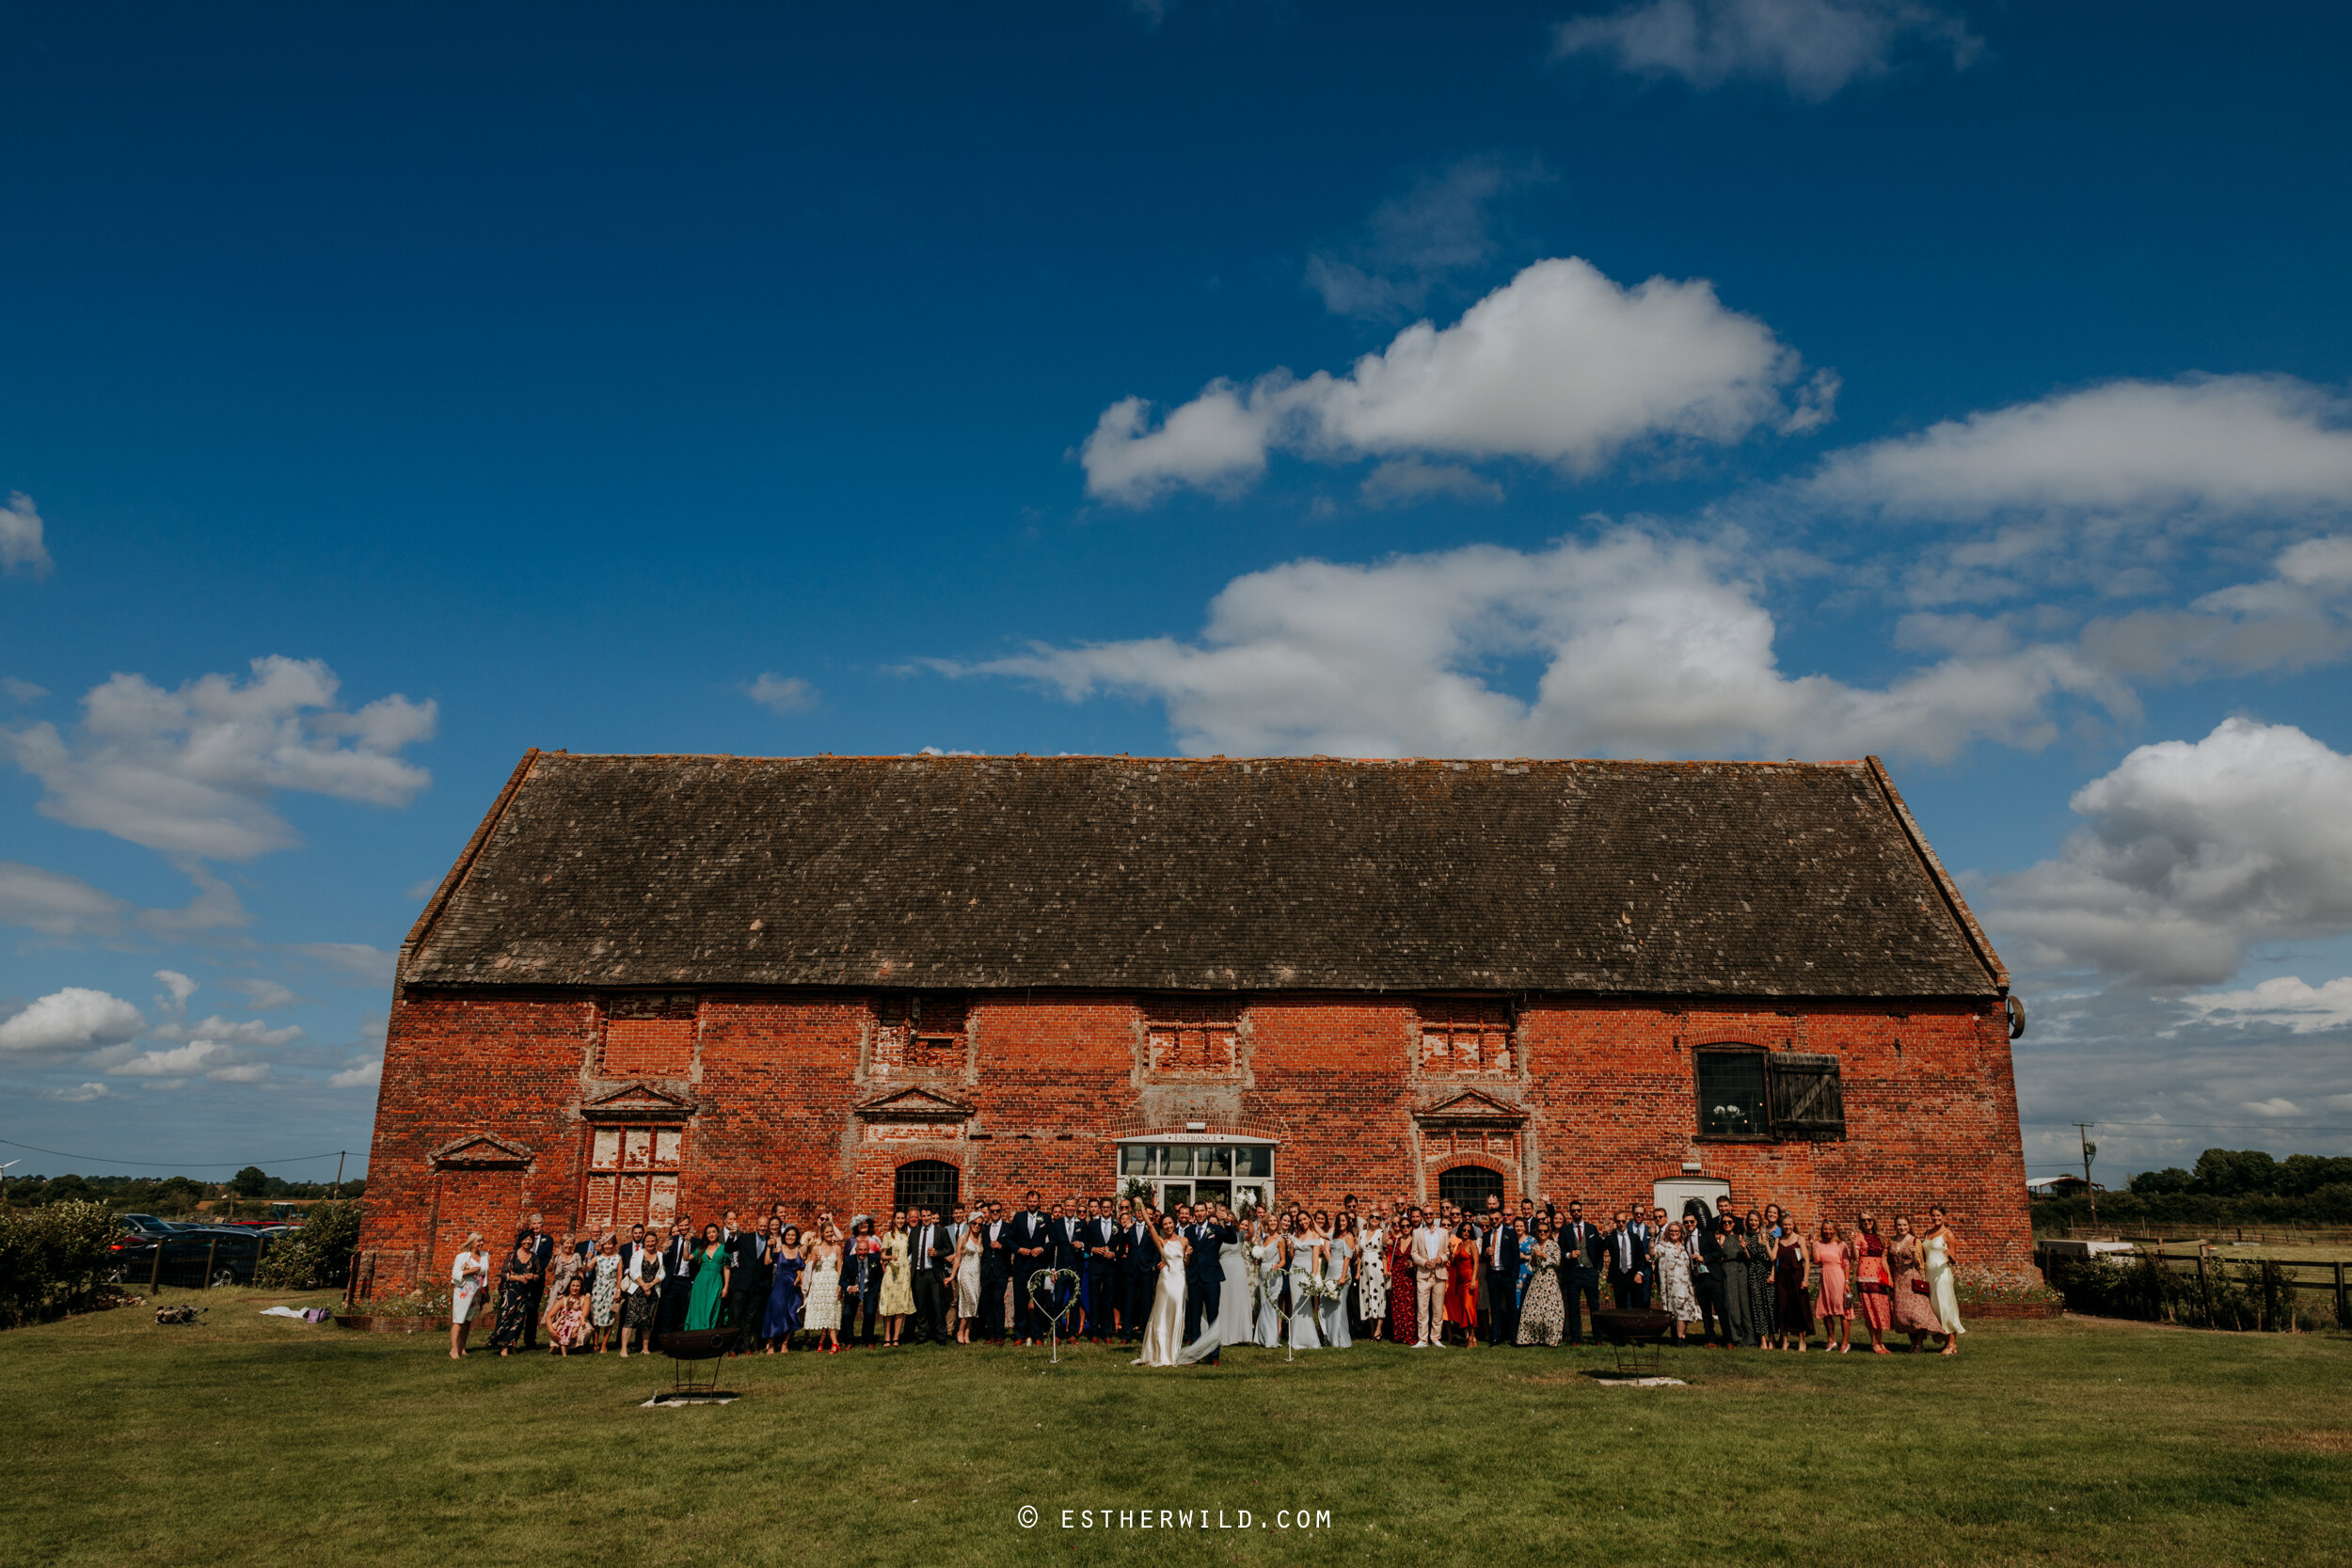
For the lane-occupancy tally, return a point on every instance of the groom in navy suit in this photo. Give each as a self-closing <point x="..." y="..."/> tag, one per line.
<point x="1139" y="1266"/>
<point x="1204" y="1271"/>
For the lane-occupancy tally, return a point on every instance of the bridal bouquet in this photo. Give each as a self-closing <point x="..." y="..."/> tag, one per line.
<point x="1325" y="1289"/>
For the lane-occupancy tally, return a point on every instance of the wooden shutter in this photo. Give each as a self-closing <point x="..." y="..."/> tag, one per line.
<point x="1806" y="1101"/>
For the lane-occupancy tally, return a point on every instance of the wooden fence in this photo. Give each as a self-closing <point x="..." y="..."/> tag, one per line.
<point x="2266" y="1235"/>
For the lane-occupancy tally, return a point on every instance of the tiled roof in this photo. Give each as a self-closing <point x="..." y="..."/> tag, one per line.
<point x="1156" y="874"/>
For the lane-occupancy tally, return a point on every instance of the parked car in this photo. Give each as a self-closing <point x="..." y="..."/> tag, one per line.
<point x="183" y="1256"/>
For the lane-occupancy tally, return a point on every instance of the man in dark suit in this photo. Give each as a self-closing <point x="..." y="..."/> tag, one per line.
<point x="1205" y="1271"/>
<point x="1100" y="1237"/>
<point x="1030" y="1244"/>
<point x="677" y="1273"/>
<point x="1628" y="1262"/>
<point x="995" y="1270"/>
<point x="743" y="1251"/>
<point x="1580" y="1271"/>
<point x="542" y="1253"/>
<point x="1140" y="1271"/>
<point x="1499" y="1257"/>
<point x="1057" y="1316"/>
<point x="930" y="1251"/>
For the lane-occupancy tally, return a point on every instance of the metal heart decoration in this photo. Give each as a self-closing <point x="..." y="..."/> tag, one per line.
<point x="1057" y="1317"/>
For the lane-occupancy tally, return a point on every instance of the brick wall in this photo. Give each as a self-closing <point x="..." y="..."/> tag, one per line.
<point x="1595" y="1100"/>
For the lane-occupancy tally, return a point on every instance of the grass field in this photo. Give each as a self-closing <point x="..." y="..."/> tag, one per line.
<point x="261" y="1441"/>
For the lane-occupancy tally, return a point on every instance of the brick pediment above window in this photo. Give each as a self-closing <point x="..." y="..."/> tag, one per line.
<point x="479" y="1152"/>
<point x="1469" y="1109"/>
<point x="914" y="1106"/>
<point x="638" y="1103"/>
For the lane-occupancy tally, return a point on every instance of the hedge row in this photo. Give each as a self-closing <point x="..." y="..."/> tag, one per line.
<point x="50" y="1258"/>
<point x="2330" y="1204"/>
<point x="315" y="1255"/>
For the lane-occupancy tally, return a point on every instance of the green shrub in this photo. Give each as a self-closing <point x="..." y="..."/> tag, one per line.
<point x="312" y="1256"/>
<point x="50" y="1256"/>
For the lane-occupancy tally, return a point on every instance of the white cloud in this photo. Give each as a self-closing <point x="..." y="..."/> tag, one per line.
<point x="230" y="1031"/>
<point x="261" y="995"/>
<point x="1812" y="48"/>
<point x="21" y="690"/>
<point x="2285" y="1002"/>
<point x="364" y="1073"/>
<point x="782" y="694"/>
<point x="243" y="1072"/>
<point x="355" y="960"/>
<point x="72" y="1019"/>
<point x="1649" y="648"/>
<point x="2207" y="444"/>
<point x="80" y="1094"/>
<point x="58" y="904"/>
<point x="179" y="986"/>
<point x="183" y="1061"/>
<point x="21" y="544"/>
<point x="2193" y="852"/>
<point x="1442" y="225"/>
<point x="191" y="771"/>
<point x="2300" y="616"/>
<point x="1559" y="365"/>
<point x="1404" y="481"/>
<point x="2277" y="1105"/>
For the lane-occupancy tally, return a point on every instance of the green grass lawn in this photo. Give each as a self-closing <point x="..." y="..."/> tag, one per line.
<point x="261" y="1441"/>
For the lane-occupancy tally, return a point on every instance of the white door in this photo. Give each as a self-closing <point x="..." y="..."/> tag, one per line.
<point x="1671" y="1194"/>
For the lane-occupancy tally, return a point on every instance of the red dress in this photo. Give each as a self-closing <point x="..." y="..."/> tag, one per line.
<point x="1461" y="1287"/>
<point x="1401" y="1290"/>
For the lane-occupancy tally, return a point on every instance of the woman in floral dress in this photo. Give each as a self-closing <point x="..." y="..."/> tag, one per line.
<point x="1542" y="1316"/>
<point x="1372" y="1277"/>
<point x="603" y="1296"/>
<point x="1674" y="1293"/>
<point x="1915" y="1313"/>
<point x="567" y="1319"/>
<point x="898" y="1290"/>
<point x="516" y="1283"/>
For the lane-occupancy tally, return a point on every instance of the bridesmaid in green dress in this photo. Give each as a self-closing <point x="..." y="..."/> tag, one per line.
<point x="710" y="1281"/>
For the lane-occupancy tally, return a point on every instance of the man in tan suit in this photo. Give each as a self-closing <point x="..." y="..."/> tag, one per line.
<point x="1431" y="1243"/>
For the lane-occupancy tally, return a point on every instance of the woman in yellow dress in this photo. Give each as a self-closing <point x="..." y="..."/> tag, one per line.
<point x="897" y="1289"/>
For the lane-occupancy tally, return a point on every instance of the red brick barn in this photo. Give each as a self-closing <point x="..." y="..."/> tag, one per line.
<point x="664" y="985"/>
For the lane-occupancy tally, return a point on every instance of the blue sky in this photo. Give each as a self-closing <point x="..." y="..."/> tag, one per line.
<point x="1729" y="377"/>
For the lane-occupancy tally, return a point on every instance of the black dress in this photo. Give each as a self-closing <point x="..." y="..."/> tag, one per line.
<point x="1795" y="1313"/>
<point x="515" y="1292"/>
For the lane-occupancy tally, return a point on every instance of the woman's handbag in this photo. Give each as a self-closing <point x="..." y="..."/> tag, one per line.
<point x="1918" y="1286"/>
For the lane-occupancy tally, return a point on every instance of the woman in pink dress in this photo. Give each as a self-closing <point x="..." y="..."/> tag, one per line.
<point x="1831" y="1260"/>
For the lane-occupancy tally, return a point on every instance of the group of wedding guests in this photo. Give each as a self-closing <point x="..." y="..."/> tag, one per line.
<point x="1186" y="1283"/>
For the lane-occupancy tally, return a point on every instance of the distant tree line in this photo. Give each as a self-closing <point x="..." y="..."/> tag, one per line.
<point x="2230" y="1186"/>
<point x="168" y="1196"/>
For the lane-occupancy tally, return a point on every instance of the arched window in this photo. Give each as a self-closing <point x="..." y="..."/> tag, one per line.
<point x="1468" y="1187"/>
<point x="927" y="1184"/>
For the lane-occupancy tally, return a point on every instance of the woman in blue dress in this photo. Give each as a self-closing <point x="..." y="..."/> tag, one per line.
<point x="783" y="1294"/>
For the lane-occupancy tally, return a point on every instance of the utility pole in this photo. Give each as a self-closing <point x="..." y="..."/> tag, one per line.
<point x="339" y="1173"/>
<point x="2091" y="1152"/>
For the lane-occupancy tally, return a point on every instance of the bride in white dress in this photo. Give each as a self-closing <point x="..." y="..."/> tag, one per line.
<point x="1164" y="1335"/>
